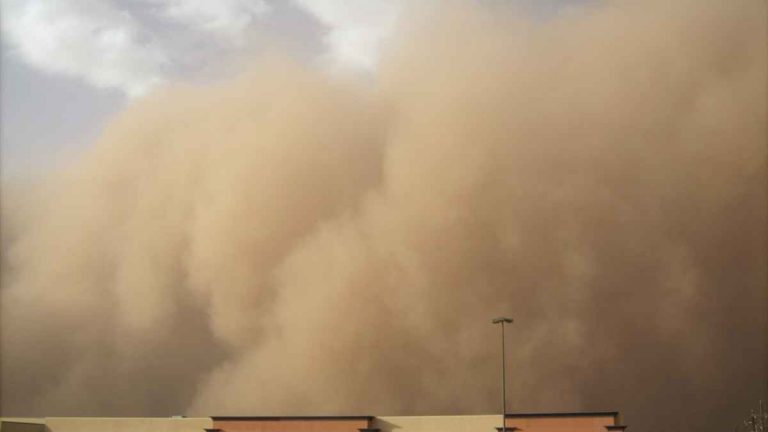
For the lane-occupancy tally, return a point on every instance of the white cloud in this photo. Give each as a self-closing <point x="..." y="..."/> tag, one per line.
<point x="228" y="19"/>
<point x="357" y="29"/>
<point x="135" y="45"/>
<point x="109" y="46"/>
<point x="88" y="39"/>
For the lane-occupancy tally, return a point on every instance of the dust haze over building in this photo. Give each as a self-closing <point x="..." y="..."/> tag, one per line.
<point x="293" y="242"/>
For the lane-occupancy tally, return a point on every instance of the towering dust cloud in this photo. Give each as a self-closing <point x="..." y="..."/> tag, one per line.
<point x="295" y="243"/>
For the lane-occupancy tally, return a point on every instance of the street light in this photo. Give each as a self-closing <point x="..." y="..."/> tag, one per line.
<point x="502" y="321"/>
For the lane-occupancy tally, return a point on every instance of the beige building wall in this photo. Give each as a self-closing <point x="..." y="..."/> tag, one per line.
<point x="287" y="424"/>
<point x="464" y="423"/>
<point x="126" y="424"/>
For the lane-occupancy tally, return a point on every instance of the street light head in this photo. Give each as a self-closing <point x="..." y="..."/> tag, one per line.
<point x="502" y="320"/>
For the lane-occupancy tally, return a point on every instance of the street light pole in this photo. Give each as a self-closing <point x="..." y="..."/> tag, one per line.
<point x="502" y="321"/>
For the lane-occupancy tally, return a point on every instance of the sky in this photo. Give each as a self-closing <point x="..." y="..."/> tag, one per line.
<point x="70" y="65"/>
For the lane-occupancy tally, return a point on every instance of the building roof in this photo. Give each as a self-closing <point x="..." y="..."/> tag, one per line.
<point x="279" y="418"/>
<point x="566" y="414"/>
<point x="614" y="414"/>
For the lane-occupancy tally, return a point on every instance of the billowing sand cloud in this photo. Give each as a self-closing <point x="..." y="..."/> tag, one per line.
<point x="291" y="243"/>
